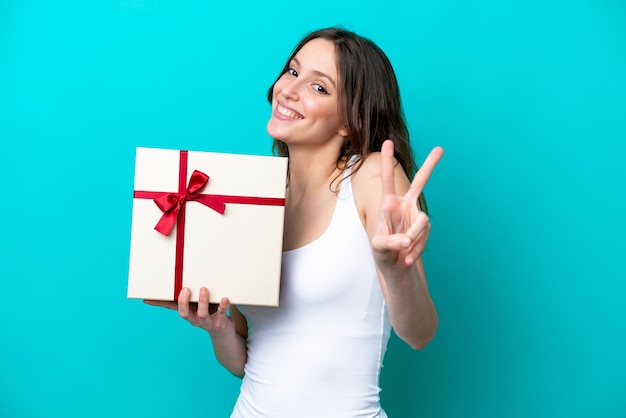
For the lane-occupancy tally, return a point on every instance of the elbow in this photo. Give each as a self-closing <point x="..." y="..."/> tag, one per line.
<point x="419" y="340"/>
<point x="239" y="370"/>
<point x="419" y="344"/>
<point x="235" y="369"/>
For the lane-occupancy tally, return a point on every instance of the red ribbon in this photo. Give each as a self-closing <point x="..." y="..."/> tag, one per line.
<point x="172" y="203"/>
<point x="173" y="207"/>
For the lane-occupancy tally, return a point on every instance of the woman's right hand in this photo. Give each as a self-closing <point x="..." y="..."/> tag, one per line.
<point x="211" y="317"/>
<point x="228" y="333"/>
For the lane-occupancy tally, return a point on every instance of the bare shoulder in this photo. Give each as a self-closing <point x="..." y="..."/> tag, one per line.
<point x="368" y="172"/>
<point x="367" y="179"/>
<point x="367" y="186"/>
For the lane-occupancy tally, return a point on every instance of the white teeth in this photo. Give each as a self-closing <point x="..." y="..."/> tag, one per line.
<point x="286" y="112"/>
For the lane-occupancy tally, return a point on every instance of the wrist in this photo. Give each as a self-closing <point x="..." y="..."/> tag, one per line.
<point x="399" y="272"/>
<point x="222" y="335"/>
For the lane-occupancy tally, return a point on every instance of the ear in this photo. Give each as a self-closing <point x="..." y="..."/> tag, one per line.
<point x="343" y="131"/>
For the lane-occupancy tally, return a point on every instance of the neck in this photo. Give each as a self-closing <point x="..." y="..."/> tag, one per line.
<point x="311" y="170"/>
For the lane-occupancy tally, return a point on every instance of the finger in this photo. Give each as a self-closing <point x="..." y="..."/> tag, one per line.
<point x="386" y="168"/>
<point x="203" y="303"/>
<point x="393" y="242"/>
<point x="418" y="226"/>
<point x="222" y="308"/>
<point x="418" y="247"/>
<point x="423" y="174"/>
<point x="183" y="302"/>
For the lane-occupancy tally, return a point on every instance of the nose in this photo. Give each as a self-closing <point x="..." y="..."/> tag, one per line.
<point x="290" y="89"/>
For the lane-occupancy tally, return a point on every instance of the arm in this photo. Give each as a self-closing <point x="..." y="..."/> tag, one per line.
<point x="398" y="233"/>
<point x="228" y="333"/>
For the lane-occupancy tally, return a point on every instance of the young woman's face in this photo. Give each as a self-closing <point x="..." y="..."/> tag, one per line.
<point x="305" y="98"/>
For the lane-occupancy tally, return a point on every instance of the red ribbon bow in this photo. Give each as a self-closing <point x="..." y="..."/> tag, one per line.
<point x="171" y="203"/>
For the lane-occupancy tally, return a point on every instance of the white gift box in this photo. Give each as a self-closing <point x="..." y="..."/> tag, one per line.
<point x="236" y="253"/>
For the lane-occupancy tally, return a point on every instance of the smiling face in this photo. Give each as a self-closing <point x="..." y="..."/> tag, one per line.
<point x="305" y="98"/>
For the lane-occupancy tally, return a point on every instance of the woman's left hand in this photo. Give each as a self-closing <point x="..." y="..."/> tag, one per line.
<point x="402" y="228"/>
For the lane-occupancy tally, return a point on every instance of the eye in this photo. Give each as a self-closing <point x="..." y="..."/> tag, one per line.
<point x="320" y="89"/>
<point x="292" y="72"/>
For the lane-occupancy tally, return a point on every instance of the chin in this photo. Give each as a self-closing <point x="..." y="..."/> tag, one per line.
<point x="275" y="132"/>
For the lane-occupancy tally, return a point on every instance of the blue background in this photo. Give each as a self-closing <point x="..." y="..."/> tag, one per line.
<point x="525" y="261"/>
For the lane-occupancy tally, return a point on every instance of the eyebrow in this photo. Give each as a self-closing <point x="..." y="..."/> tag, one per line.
<point x="319" y="73"/>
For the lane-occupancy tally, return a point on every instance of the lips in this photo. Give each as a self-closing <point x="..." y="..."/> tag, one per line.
<point x="287" y="112"/>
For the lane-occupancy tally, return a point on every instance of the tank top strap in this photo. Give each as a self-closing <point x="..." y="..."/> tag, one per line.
<point x="345" y="190"/>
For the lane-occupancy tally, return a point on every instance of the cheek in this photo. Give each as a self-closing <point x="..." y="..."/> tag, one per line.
<point x="278" y="86"/>
<point x="331" y="113"/>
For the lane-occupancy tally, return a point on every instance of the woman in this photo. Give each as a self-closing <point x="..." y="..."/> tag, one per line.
<point x="353" y="240"/>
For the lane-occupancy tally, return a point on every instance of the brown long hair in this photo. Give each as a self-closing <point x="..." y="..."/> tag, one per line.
<point x="369" y="100"/>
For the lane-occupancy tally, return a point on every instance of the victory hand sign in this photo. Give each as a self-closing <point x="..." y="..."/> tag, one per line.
<point x="402" y="228"/>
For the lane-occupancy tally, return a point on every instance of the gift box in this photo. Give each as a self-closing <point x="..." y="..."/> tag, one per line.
<point x="207" y="219"/>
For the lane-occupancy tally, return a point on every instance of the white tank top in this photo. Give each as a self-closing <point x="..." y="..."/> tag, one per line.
<point x="319" y="354"/>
